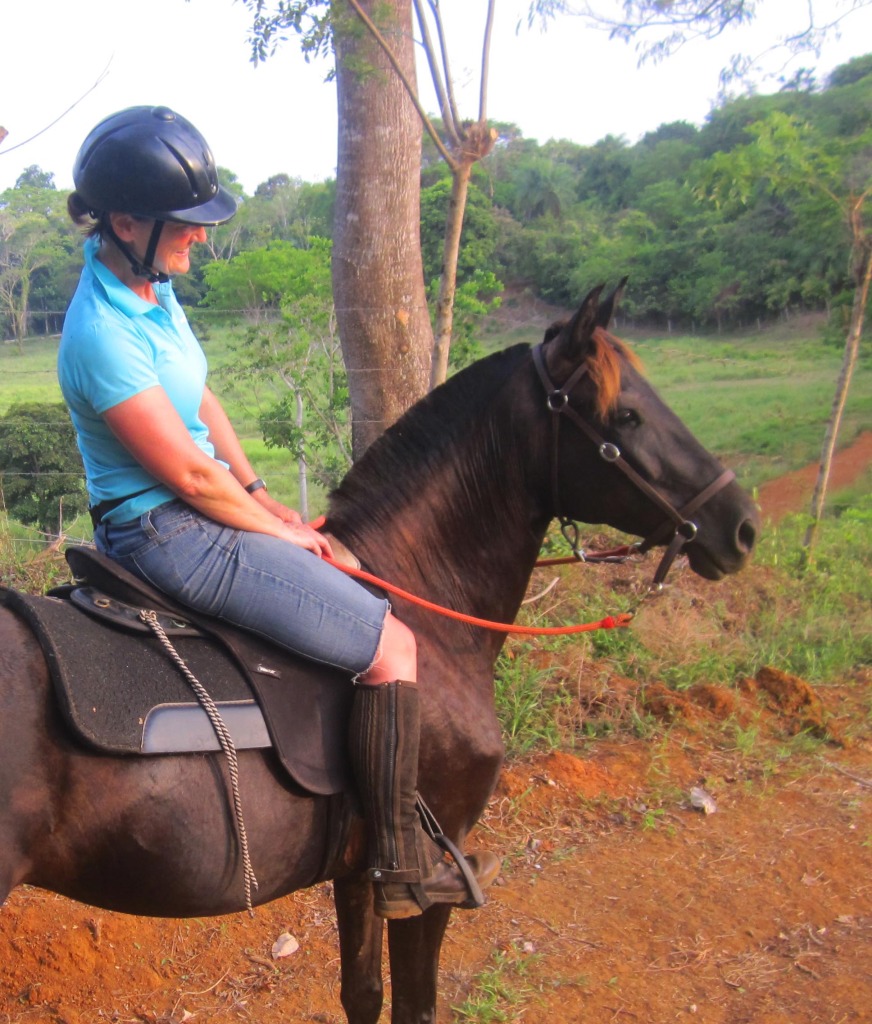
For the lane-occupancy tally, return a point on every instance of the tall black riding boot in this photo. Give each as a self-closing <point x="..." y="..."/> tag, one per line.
<point x="407" y="867"/>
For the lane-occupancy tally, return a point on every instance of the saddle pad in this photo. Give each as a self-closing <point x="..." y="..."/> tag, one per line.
<point x="111" y="684"/>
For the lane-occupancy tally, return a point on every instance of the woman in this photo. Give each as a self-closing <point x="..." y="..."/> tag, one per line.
<point x="175" y="500"/>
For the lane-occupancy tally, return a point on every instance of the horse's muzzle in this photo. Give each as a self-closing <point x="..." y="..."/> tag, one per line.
<point x="713" y="560"/>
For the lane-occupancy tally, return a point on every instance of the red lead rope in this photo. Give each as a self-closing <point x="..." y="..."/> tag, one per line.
<point x="609" y="622"/>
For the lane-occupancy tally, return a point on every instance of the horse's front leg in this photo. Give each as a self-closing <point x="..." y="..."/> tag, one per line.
<point x="360" y="947"/>
<point x="414" y="945"/>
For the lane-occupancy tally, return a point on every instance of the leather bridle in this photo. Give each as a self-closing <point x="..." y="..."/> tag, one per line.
<point x="684" y="530"/>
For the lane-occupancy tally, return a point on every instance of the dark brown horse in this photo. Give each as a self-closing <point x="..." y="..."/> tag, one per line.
<point x="452" y="503"/>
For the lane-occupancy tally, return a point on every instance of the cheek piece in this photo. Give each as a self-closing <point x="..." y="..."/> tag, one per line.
<point x="144" y="267"/>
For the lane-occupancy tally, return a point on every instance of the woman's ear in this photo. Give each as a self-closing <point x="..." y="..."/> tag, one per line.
<point x="124" y="225"/>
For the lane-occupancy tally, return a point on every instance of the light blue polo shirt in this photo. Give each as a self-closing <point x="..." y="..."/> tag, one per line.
<point x="115" y="345"/>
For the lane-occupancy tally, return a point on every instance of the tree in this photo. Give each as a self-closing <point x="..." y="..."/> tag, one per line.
<point x="35" y="177"/>
<point x="26" y="246"/>
<point x="607" y="169"/>
<point x="378" y="277"/>
<point x="40" y="468"/>
<point x="259" y="280"/>
<point x="478" y="240"/>
<point x="791" y="157"/>
<point x="310" y="418"/>
<point x="294" y="357"/>
<point x="853" y="71"/>
<point x="465" y="141"/>
<point x="542" y="188"/>
<point x="35" y="241"/>
<point x="375" y="70"/>
<point x="373" y="57"/>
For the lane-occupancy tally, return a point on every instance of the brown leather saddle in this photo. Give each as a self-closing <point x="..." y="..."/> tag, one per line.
<point x="122" y="693"/>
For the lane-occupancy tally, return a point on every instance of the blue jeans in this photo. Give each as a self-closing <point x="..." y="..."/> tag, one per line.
<point x="263" y="584"/>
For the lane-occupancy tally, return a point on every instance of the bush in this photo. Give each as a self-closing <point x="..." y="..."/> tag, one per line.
<point x="40" y="468"/>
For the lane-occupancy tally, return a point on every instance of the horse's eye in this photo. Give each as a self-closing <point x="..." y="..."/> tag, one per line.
<point x="626" y="418"/>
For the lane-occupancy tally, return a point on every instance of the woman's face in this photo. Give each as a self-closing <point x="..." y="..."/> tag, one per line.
<point x="173" y="254"/>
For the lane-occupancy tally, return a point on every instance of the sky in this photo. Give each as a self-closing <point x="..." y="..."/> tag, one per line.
<point x="569" y="82"/>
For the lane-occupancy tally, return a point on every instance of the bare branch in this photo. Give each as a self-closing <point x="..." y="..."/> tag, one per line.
<point x="677" y="22"/>
<point x="412" y="93"/>
<point x="442" y="85"/>
<point x="485" y="62"/>
<point x="443" y="50"/>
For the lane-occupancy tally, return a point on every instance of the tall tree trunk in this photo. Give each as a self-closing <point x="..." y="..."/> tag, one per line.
<point x="863" y="277"/>
<point x="378" y="276"/>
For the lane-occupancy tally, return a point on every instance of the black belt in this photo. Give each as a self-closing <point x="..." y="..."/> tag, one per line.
<point x="103" y="508"/>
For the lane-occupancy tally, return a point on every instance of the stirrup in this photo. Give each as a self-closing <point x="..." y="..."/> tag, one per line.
<point x="432" y="828"/>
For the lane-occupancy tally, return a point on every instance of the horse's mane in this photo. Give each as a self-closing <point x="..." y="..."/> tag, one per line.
<point x="435" y="431"/>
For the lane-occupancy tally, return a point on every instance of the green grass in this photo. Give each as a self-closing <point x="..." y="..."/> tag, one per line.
<point x="29" y="376"/>
<point x="819" y="624"/>
<point x="527" y="707"/>
<point x="759" y="402"/>
<point x="500" y="991"/>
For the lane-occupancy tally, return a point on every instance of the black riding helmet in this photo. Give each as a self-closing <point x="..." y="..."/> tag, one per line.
<point x="150" y="162"/>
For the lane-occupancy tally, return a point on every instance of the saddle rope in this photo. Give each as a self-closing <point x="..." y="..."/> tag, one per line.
<point x="227" y="745"/>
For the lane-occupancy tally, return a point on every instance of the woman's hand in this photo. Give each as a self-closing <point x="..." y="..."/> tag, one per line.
<point x="305" y="537"/>
<point x="301" y="534"/>
<point x="276" y="508"/>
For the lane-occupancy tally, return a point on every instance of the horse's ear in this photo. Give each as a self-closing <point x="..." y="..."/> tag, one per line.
<point x="609" y="305"/>
<point x="552" y="331"/>
<point x="570" y="345"/>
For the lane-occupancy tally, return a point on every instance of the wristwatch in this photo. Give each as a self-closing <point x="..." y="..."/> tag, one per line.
<point x="255" y="485"/>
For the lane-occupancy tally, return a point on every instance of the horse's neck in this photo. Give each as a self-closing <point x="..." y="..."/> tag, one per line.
<point x="444" y="503"/>
<point x="485" y="577"/>
<point x="466" y="544"/>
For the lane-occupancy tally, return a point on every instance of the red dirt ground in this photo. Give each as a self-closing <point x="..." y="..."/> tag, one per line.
<point x="792" y="492"/>
<point x="619" y="901"/>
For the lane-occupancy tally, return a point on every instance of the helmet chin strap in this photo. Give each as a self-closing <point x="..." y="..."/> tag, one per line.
<point x="144" y="267"/>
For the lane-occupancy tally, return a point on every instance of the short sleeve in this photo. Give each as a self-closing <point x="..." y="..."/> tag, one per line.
<point x="110" y="364"/>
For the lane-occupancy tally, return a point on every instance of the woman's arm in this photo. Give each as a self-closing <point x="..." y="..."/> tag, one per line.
<point x="152" y="431"/>
<point x="228" y="448"/>
<point x="224" y="438"/>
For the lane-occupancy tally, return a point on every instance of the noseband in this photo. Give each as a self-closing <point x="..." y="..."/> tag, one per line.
<point x="684" y="530"/>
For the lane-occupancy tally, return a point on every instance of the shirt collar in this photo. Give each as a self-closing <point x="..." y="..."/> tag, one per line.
<point x="118" y="294"/>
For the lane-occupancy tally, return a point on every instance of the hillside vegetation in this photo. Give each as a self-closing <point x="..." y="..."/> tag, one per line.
<point x="556" y="217"/>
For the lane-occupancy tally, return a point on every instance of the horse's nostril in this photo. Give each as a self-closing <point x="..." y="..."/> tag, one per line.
<point x="747" y="536"/>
